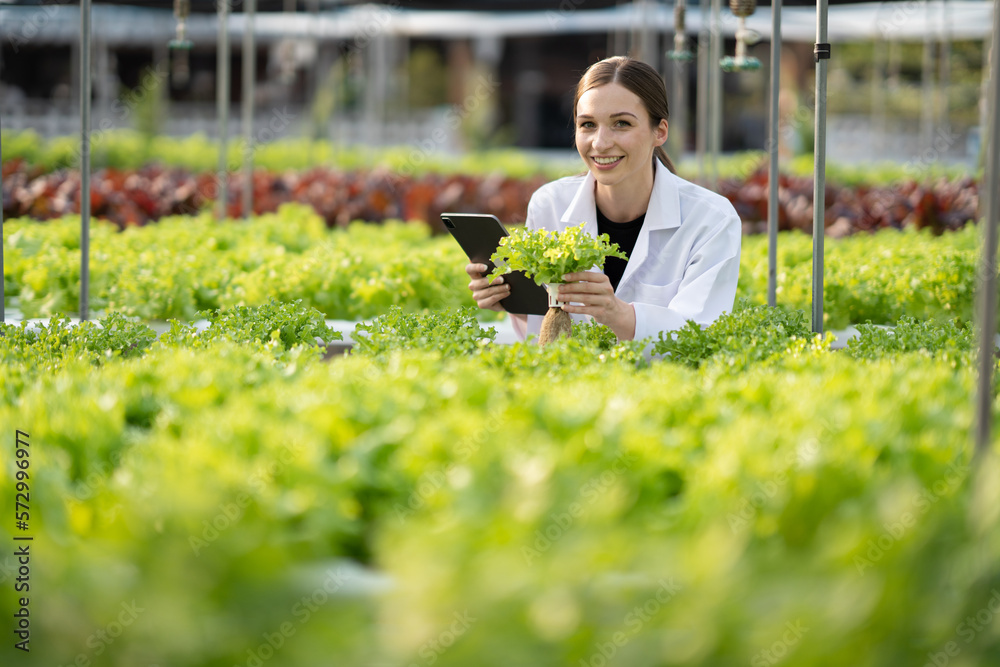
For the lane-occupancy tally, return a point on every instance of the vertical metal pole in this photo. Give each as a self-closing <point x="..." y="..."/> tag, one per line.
<point x="822" y="52"/>
<point x="772" y="170"/>
<point x="249" y="71"/>
<point x="314" y="73"/>
<point x="984" y="96"/>
<point x="222" y="105"/>
<point x="927" y="83"/>
<point x="715" y="96"/>
<point x="944" y="76"/>
<point x="701" y="130"/>
<point x="3" y="290"/>
<point x="85" y="84"/>
<point x="987" y="295"/>
<point x="878" y="83"/>
<point x="648" y="36"/>
<point x="678" y="107"/>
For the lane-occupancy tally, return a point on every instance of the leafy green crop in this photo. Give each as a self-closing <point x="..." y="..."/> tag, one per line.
<point x="382" y="497"/>
<point x="450" y="332"/>
<point x="940" y="339"/>
<point x="745" y="335"/>
<point x="547" y="256"/>
<point x="185" y="265"/>
<point x="289" y="324"/>
<point x="879" y="277"/>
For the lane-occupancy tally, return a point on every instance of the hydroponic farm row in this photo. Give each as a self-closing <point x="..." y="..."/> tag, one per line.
<point x="187" y="264"/>
<point x="233" y="495"/>
<point x="228" y="497"/>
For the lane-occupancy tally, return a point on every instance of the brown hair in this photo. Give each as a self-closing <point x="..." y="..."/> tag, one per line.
<point x="636" y="77"/>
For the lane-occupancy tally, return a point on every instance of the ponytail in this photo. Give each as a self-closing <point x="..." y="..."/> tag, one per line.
<point x="662" y="156"/>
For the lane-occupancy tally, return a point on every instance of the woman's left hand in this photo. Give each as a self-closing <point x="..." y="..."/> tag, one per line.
<point x="595" y="296"/>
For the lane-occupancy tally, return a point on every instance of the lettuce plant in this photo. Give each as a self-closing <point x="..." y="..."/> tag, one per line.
<point x="547" y="256"/>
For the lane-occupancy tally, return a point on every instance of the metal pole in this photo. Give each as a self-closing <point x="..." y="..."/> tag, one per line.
<point x="701" y="129"/>
<point x="715" y="96"/>
<point x="772" y="171"/>
<point x="3" y="290"/>
<point x="878" y="84"/>
<point x="944" y="75"/>
<point x="249" y="70"/>
<point x="222" y="106"/>
<point x="85" y="84"/>
<point x="984" y="94"/>
<point x="988" y="269"/>
<point x="822" y="54"/>
<point x="927" y="84"/>
<point x="678" y="107"/>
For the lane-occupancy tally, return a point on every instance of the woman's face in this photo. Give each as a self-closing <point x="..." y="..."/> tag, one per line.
<point x="613" y="134"/>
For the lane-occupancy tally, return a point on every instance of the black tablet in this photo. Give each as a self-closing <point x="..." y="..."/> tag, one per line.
<point x="479" y="235"/>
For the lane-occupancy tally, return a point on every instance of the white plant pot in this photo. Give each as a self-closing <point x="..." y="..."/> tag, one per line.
<point x="553" y="290"/>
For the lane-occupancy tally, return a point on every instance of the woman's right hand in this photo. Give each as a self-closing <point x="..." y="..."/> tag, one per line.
<point x="487" y="295"/>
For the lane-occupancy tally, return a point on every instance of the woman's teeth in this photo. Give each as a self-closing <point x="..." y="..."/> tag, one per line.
<point x="606" y="160"/>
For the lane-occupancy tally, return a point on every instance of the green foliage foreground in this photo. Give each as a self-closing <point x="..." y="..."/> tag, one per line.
<point x="201" y="501"/>
<point x="187" y="264"/>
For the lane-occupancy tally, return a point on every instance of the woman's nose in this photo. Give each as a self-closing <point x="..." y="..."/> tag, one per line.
<point x="602" y="138"/>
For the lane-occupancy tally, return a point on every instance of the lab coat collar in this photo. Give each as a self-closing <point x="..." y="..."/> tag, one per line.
<point x="583" y="208"/>
<point x="663" y="212"/>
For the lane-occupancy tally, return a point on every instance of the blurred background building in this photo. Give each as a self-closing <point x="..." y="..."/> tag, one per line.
<point x="487" y="73"/>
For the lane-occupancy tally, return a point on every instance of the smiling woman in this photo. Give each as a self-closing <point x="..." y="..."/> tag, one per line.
<point x="682" y="241"/>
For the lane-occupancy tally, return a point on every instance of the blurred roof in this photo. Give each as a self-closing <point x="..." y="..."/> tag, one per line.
<point x="210" y="6"/>
<point x="133" y="25"/>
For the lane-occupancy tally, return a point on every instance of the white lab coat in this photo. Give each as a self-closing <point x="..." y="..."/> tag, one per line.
<point x="686" y="261"/>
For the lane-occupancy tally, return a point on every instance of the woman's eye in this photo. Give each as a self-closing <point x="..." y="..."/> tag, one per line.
<point x="623" y="123"/>
<point x="586" y="124"/>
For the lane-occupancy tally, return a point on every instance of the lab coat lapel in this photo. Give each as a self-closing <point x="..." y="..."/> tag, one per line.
<point x="663" y="212"/>
<point x="582" y="208"/>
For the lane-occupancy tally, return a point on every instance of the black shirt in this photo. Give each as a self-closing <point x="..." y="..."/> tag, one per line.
<point x="625" y="235"/>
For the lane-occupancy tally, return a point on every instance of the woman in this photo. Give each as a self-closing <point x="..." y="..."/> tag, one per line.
<point x="683" y="241"/>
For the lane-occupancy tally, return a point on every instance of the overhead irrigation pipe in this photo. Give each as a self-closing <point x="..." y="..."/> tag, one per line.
<point x="222" y="109"/>
<point x="772" y="169"/>
<point x="987" y="309"/>
<point x="249" y="70"/>
<point x="84" y="158"/>
<point x="822" y="54"/>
